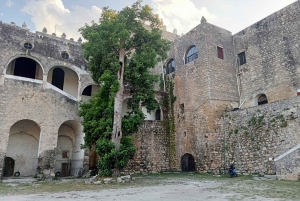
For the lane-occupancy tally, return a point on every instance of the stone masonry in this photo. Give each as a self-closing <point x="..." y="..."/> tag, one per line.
<point x="254" y="72"/>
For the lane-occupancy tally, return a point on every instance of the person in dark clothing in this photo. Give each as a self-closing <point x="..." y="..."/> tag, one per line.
<point x="232" y="171"/>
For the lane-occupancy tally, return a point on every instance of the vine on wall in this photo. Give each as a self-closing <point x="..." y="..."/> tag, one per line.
<point x="169" y="121"/>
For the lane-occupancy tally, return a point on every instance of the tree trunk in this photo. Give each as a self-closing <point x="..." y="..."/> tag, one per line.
<point x="118" y="103"/>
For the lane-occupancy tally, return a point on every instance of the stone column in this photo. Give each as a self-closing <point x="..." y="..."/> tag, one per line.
<point x="79" y="89"/>
<point x="44" y="82"/>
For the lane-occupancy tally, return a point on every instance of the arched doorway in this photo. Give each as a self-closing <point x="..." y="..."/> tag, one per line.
<point x="64" y="79"/>
<point x="58" y="78"/>
<point x="188" y="163"/>
<point x="23" y="146"/>
<point x="25" y="67"/>
<point x="9" y="166"/>
<point x="68" y="155"/>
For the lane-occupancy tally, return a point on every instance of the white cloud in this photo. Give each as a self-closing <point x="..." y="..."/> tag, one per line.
<point x="180" y="14"/>
<point x="1" y="14"/>
<point x="52" y="13"/>
<point x="9" y="3"/>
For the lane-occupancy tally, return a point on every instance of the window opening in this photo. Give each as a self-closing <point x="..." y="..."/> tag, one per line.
<point x="25" y="67"/>
<point x="220" y="52"/>
<point x="242" y="58"/>
<point x="181" y="108"/>
<point x="262" y="99"/>
<point x="170" y="66"/>
<point x="64" y="55"/>
<point x="28" y="46"/>
<point x="157" y="114"/>
<point x="191" y="54"/>
<point x="87" y="91"/>
<point x="58" y="77"/>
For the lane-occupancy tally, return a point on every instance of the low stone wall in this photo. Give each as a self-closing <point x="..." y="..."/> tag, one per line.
<point x="152" y="154"/>
<point x="256" y="136"/>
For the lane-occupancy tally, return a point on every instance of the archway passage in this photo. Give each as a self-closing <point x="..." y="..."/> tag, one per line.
<point x="58" y="78"/>
<point x="23" y="146"/>
<point x="89" y="91"/>
<point x="25" y="67"/>
<point x="64" y="79"/>
<point x="9" y="166"/>
<point x="69" y="156"/>
<point x="188" y="163"/>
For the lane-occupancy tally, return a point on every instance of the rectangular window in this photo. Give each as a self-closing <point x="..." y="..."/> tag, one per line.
<point x="242" y="58"/>
<point x="220" y="52"/>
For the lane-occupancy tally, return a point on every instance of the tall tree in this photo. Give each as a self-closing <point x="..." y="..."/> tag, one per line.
<point x="121" y="50"/>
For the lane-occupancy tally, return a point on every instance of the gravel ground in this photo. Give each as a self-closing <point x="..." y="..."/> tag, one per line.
<point x="166" y="188"/>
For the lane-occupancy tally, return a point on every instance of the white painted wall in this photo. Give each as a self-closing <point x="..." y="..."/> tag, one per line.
<point x="70" y="82"/>
<point x="23" y="146"/>
<point x="70" y="138"/>
<point x="148" y="116"/>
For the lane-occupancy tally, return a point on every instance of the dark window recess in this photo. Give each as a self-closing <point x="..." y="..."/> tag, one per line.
<point x="28" y="46"/>
<point x="220" y="52"/>
<point x="64" y="55"/>
<point x="242" y="58"/>
<point x="262" y="99"/>
<point x="191" y="54"/>
<point x="58" y="78"/>
<point x="87" y="91"/>
<point x="170" y="66"/>
<point x="157" y="114"/>
<point x="25" y="67"/>
<point x="181" y="108"/>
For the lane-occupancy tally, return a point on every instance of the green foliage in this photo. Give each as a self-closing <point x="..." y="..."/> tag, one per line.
<point x="120" y="36"/>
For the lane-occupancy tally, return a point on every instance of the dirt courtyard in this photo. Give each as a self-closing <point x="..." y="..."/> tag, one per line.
<point x="158" y="187"/>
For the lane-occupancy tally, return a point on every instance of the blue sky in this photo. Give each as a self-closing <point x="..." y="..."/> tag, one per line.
<point x="69" y="15"/>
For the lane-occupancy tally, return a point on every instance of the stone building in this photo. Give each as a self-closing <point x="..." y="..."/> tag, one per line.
<point x="231" y="91"/>
<point x="231" y="98"/>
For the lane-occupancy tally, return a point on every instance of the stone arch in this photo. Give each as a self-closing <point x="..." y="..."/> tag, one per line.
<point x="188" y="163"/>
<point x="23" y="146"/>
<point x="189" y="54"/>
<point x="64" y="65"/>
<point x="25" y="56"/>
<point x="168" y="67"/>
<point x="33" y="70"/>
<point x="261" y="99"/>
<point x="88" y="91"/>
<point x="68" y="154"/>
<point x="71" y="79"/>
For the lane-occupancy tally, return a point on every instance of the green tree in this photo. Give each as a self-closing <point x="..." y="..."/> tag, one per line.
<point x="121" y="50"/>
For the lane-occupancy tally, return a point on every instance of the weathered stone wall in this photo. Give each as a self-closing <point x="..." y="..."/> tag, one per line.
<point x="272" y="55"/>
<point x="257" y="135"/>
<point x="287" y="167"/>
<point x="152" y="154"/>
<point x="205" y="86"/>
